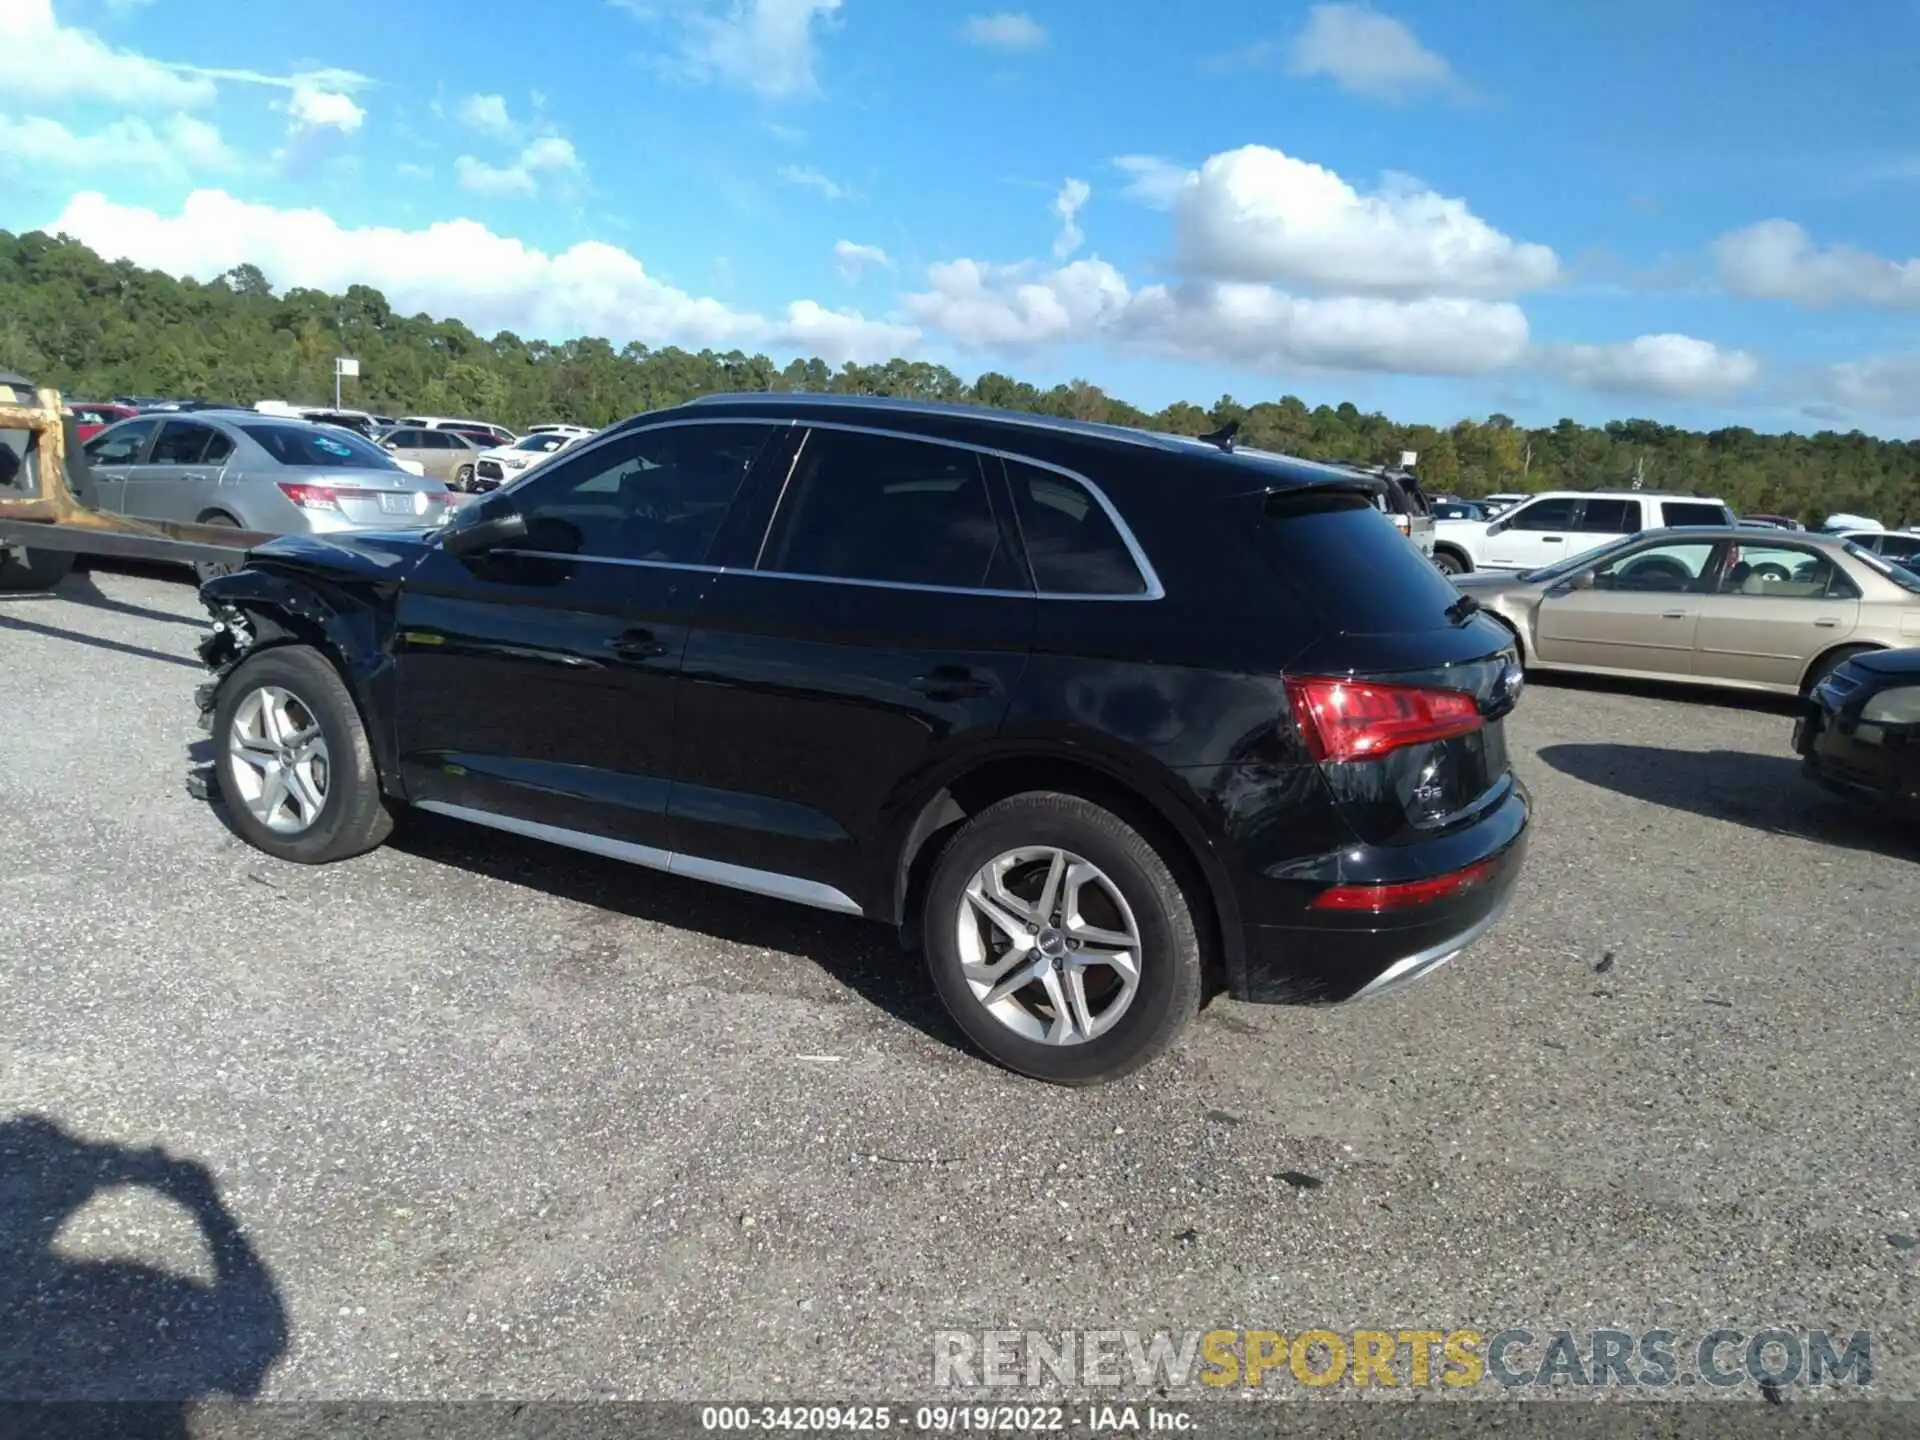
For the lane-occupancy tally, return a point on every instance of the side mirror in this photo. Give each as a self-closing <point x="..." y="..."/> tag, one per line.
<point x="1584" y="580"/>
<point x="486" y="532"/>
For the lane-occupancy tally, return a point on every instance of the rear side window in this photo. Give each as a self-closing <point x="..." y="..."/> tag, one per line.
<point x="1683" y="512"/>
<point x="180" y="443"/>
<point x="1351" y="564"/>
<point x="877" y="508"/>
<point x="1072" y="543"/>
<point x="1611" y="517"/>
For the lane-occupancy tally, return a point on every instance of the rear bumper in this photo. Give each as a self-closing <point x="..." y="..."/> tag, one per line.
<point x="1325" y="959"/>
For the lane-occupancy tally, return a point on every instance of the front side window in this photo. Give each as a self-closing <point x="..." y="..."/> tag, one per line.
<point x="1785" y="572"/>
<point x="1674" y="569"/>
<point x="657" y="495"/>
<point x="1556" y="514"/>
<point x="1072" y="544"/>
<point x="877" y="508"/>
<point x="120" y="444"/>
<point x="181" y="443"/>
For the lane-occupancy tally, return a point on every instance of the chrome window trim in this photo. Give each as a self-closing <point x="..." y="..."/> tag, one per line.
<point x="1148" y="575"/>
<point x="716" y="872"/>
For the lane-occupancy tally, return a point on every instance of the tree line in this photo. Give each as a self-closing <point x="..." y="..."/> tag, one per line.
<point x="95" y="329"/>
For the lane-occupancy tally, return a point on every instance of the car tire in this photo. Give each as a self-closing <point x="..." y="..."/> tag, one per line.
<point x="463" y="480"/>
<point x="205" y="570"/>
<point x="1830" y="662"/>
<point x="1449" y="563"/>
<point x="351" y="816"/>
<point x="34" y="569"/>
<point x="1119" y="884"/>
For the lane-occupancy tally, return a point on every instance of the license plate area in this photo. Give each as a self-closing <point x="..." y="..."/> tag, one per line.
<point x="396" y="503"/>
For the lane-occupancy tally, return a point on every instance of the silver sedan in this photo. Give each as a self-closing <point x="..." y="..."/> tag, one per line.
<point x="257" y="472"/>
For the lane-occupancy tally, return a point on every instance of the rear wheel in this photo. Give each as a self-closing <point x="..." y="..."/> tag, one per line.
<point x="1830" y="662"/>
<point x="33" y="569"/>
<point x="1060" y="940"/>
<point x="296" y="771"/>
<point x="206" y="570"/>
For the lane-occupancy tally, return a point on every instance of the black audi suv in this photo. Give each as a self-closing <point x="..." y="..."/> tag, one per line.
<point x="1105" y="721"/>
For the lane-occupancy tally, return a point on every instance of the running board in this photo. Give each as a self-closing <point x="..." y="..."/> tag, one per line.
<point x="734" y="877"/>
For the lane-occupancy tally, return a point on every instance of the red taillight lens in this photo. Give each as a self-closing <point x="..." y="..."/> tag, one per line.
<point x="312" y="497"/>
<point x="1360" y="719"/>
<point x="1376" y="898"/>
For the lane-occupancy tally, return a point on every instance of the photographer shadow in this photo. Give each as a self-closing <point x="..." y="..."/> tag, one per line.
<point x="93" y="1335"/>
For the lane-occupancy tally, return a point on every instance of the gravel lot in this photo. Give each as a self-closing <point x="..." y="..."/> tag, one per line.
<point x="494" y="1118"/>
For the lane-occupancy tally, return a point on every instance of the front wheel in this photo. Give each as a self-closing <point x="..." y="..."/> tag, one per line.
<point x="33" y="569"/>
<point x="1449" y="563"/>
<point x="296" y="771"/>
<point x="1061" y="941"/>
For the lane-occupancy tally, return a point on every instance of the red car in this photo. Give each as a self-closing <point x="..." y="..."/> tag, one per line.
<point x="90" y="420"/>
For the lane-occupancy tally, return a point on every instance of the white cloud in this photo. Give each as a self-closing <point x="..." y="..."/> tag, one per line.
<point x="1004" y="30"/>
<point x="1257" y="214"/>
<point x="1152" y="181"/>
<point x="1067" y="205"/>
<point x="767" y="46"/>
<point x="1778" y="260"/>
<point x="1669" y="366"/>
<point x="408" y="170"/>
<point x="550" y="158"/>
<point x="43" y="62"/>
<point x="313" y="108"/>
<point x="488" y="114"/>
<point x="1882" y="385"/>
<point x="855" y="260"/>
<point x="808" y="178"/>
<point x="461" y="268"/>
<point x="1367" y="53"/>
<point x="1013" y="307"/>
<point x="181" y="146"/>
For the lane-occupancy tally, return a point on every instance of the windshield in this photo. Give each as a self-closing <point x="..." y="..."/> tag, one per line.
<point x="542" y="441"/>
<point x="1900" y="575"/>
<point x="310" y="445"/>
<point x="1584" y="560"/>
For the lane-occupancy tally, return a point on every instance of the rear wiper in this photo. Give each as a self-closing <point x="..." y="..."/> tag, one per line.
<point x="1462" y="609"/>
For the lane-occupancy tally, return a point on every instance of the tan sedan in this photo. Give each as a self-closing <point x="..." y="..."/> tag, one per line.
<point x="1756" y="609"/>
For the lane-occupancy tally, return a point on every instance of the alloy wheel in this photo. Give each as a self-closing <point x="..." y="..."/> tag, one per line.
<point x="1048" y="945"/>
<point x="280" y="760"/>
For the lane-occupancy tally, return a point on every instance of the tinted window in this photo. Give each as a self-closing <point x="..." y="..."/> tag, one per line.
<point x="180" y="443"/>
<point x="1454" y="510"/>
<point x="1611" y="517"/>
<point x="870" y="507"/>
<point x="1072" y="543"/>
<point x="1354" y="567"/>
<point x="1785" y="572"/>
<point x="311" y="445"/>
<point x="1681" y="512"/>
<point x="120" y="444"/>
<point x="656" y="495"/>
<point x="1900" y="547"/>
<point x="1678" y="568"/>
<point x="408" y="439"/>
<point x="219" y="447"/>
<point x="1544" y="515"/>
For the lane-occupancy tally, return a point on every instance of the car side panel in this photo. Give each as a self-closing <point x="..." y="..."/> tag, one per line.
<point x="1769" y="640"/>
<point x="1613" y="630"/>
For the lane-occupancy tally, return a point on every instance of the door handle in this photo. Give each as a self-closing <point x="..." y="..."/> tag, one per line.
<point x="1674" y="615"/>
<point x="1553" y="539"/>
<point x="637" y="645"/>
<point x="952" y="682"/>
<point x="1827" y="624"/>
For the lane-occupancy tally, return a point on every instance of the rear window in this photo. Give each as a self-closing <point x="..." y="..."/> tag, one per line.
<point x="1348" y="561"/>
<point x="1896" y="571"/>
<point x="1682" y="513"/>
<point x="314" y="447"/>
<point x="1072" y="543"/>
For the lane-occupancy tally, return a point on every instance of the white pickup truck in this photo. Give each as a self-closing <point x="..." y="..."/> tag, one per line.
<point x="1552" y="525"/>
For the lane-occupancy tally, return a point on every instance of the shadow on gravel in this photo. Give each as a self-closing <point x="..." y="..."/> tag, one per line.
<point x="95" y="642"/>
<point x="80" y="1329"/>
<point x="1763" y="792"/>
<point x="864" y="956"/>
<point x="80" y="589"/>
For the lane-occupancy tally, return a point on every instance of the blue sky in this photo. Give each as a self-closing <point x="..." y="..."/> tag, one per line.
<point x="1433" y="210"/>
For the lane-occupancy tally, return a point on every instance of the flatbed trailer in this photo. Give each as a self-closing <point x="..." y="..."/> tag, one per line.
<point x="47" y="512"/>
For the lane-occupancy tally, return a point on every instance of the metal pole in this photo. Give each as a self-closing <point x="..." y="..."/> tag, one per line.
<point x="336" y="383"/>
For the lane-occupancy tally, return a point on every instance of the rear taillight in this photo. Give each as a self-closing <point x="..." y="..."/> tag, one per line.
<point x="1375" y="898"/>
<point x="1344" y="720"/>
<point x="312" y="497"/>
